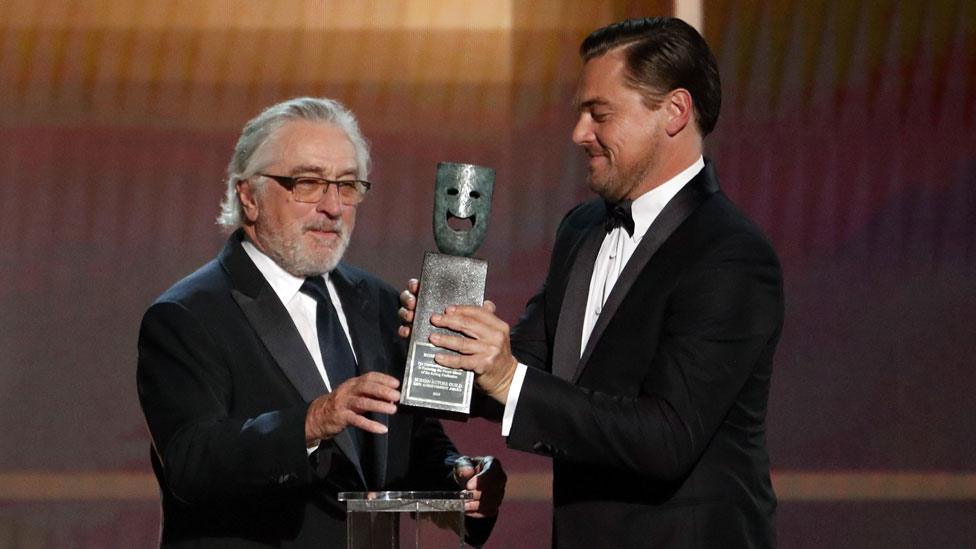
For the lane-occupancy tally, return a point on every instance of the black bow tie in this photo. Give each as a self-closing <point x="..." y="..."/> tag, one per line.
<point x="618" y="215"/>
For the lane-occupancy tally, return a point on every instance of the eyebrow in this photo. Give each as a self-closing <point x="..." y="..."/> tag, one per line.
<point x="595" y="102"/>
<point x="319" y="170"/>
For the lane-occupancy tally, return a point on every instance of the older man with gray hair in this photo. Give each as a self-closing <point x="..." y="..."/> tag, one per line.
<point x="268" y="377"/>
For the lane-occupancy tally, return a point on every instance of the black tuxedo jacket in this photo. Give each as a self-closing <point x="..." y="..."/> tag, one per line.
<point x="657" y="432"/>
<point x="225" y="380"/>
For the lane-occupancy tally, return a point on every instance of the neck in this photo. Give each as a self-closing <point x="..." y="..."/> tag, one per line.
<point x="669" y="167"/>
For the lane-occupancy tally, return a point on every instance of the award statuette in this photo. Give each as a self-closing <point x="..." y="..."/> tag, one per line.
<point x="462" y="193"/>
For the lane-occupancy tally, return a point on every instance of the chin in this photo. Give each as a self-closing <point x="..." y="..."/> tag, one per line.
<point x="602" y="187"/>
<point x="309" y="267"/>
<point x="327" y="256"/>
<point x="303" y="261"/>
<point x="321" y="260"/>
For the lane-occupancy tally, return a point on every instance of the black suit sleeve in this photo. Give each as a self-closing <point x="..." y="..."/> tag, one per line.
<point x="723" y="316"/>
<point x="528" y="337"/>
<point x="185" y="391"/>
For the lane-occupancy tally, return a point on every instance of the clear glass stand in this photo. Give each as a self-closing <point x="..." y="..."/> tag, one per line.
<point x="435" y="519"/>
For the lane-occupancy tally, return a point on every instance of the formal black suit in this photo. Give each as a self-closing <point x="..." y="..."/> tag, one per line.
<point x="657" y="433"/>
<point x="225" y="380"/>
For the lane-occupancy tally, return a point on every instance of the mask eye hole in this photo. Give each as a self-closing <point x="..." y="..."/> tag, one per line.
<point x="474" y="194"/>
<point x="452" y="192"/>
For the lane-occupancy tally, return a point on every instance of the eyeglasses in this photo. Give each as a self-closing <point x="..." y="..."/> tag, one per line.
<point x="312" y="189"/>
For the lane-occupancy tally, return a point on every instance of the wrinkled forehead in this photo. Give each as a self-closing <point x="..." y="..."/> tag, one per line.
<point x="309" y="147"/>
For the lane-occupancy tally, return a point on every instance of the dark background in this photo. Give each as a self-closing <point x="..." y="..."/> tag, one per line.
<point x="848" y="132"/>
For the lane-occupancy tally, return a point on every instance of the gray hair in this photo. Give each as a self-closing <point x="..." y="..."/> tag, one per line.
<point x="260" y="128"/>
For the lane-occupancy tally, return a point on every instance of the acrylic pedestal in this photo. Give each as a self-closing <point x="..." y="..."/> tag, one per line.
<point x="404" y="520"/>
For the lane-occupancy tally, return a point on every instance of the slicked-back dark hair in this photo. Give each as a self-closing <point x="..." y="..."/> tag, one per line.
<point x="663" y="54"/>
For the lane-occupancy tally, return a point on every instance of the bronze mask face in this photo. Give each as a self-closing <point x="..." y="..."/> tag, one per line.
<point x="462" y="192"/>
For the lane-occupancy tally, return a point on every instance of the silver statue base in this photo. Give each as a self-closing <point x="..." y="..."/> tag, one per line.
<point x="445" y="280"/>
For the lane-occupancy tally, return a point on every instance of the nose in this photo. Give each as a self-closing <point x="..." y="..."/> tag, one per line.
<point x="330" y="203"/>
<point x="583" y="131"/>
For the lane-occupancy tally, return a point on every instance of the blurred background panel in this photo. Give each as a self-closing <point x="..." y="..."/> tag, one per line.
<point x="848" y="132"/>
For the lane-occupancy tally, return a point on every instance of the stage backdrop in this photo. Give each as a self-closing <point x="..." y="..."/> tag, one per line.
<point x="848" y="131"/>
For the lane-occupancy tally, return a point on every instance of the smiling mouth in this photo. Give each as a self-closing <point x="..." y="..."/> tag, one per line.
<point x="460" y="224"/>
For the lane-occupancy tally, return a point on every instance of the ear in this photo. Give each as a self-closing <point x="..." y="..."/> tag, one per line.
<point x="249" y="202"/>
<point x="680" y="110"/>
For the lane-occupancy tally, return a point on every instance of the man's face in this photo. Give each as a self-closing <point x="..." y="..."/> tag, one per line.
<point x="304" y="239"/>
<point x="621" y="136"/>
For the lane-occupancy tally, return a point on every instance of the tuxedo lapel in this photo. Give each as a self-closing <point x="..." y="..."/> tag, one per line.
<point x="569" y="329"/>
<point x="360" y="309"/>
<point x="670" y="218"/>
<point x="274" y="326"/>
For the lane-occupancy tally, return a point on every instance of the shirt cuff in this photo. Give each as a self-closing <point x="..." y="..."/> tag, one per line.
<point x="311" y="449"/>
<point x="513" y="395"/>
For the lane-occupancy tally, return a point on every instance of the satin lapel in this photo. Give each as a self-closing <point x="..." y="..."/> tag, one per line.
<point x="274" y="326"/>
<point x="673" y="215"/>
<point x="360" y="308"/>
<point x="566" y="343"/>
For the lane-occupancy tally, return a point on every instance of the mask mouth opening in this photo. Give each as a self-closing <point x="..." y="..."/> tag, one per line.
<point x="460" y="224"/>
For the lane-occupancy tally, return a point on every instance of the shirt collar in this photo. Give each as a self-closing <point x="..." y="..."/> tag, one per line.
<point x="649" y="205"/>
<point x="284" y="284"/>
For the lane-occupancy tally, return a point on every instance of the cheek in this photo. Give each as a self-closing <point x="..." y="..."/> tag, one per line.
<point x="632" y="141"/>
<point x="609" y="138"/>
<point x="289" y="215"/>
<point x="349" y="218"/>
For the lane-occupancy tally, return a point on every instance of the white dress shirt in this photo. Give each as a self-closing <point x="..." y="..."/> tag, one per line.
<point x="615" y="252"/>
<point x="301" y="307"/>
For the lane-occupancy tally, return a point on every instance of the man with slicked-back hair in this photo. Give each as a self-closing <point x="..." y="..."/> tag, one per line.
<point x="642" y="366"/>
